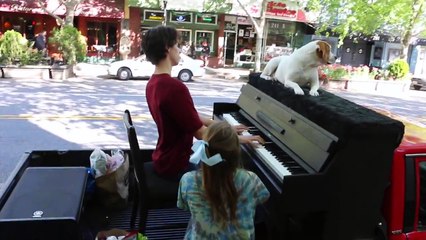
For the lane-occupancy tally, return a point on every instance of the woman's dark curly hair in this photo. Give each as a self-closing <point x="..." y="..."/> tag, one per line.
<point x="156" y="41"/>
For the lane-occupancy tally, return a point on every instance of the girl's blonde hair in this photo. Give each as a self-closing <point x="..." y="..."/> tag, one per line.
<point x="218" y="180"/>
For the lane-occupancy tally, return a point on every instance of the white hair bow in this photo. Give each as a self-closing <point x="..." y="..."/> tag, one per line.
<point x="199" y="149"/>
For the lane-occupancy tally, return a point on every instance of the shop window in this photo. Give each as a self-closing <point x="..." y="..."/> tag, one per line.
<point x="201" y="36"/>
<point x="280" y="34"/>
<point x="153" y="15"/>
<point x="184" y="36"/>
<point x="279" y="39"/>
<point x="378" y="52"/>
<point x="29" y="29"/>
<point x="203" y="18"/>
<point x="102" y="35"/>
<point x="394" y="54"/>
<point x="21" y="24"/>
<point x="181" y="17"/>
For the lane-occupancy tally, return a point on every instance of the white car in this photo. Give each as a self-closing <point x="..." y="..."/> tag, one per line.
<point x="141" y="68"/>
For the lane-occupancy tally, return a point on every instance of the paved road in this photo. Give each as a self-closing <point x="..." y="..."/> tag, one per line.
<point x="83" y="114"/>
<point x="86" y="113"/>
<point x="410" y="106"/>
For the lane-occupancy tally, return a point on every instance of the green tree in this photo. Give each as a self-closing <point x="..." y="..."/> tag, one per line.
<point x="146" y="3"/>
<point x="70" y="43"/>
<point x="15" y="47"/>
<point x="401" y="18"/>
<point x="70" y="8"/>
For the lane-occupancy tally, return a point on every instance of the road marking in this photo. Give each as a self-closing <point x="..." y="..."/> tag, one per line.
<point x="142" y="117"/>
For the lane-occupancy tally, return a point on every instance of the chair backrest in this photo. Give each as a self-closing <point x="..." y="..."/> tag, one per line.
<point x="169" y="223"/>
<point x="135" y="153"/>
<point x="142" y="199"/>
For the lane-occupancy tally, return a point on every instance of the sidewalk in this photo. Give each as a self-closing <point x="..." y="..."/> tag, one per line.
<point x="227" y="73"/>
<point x="87" y="70"/>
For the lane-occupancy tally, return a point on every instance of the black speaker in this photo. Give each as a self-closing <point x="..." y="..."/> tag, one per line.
<point x="45" y="204"/>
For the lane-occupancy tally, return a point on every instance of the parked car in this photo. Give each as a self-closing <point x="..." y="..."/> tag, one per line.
<point x="141" y="68"/>
<point x="418" y="82"/>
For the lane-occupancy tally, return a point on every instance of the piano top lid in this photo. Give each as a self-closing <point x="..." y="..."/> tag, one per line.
<point x="339" y="116"/>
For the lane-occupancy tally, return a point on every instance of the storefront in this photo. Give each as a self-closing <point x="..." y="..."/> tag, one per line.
<point x="99" y="22"/>
<point x="246" y="40"/>
<point x="230" y="39"/>
<point x="417" y="57"/>
<point x="381" y="51"/>
<point x="286" y="28"/>
<point x="194" y="28"/>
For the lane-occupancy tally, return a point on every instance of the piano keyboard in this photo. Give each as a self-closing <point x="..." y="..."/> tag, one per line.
<point x="274" y="158"/>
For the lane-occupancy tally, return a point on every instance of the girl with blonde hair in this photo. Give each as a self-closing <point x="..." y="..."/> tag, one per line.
<point x="221" y="196"/>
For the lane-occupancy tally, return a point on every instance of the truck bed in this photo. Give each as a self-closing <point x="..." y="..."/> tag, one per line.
<point x="94" y="217"/>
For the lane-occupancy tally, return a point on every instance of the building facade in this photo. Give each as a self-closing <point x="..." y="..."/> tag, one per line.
<point x="231" y="37"/>
<point x="417" y="57"/>
<point x="100" y="21"/>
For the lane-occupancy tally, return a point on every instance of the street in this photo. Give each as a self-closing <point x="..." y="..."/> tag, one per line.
<point x="409" y="106"/>
<point x="82" y="114"/>
<point x="86" y="113"/>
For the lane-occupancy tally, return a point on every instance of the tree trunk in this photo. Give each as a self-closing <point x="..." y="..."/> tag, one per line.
<point x="69" y="17"/>
<point x="259" y="29"/>
<point x="406" y="44"/>
<point x="260" y="38"/>
<point x="408" y="34"/>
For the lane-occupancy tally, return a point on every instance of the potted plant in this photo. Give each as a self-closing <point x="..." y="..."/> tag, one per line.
<point x="73" y="48"/>
<point x="397" y="71"/>
<point x="333" y="76"/>
<point x="19" y="59"/>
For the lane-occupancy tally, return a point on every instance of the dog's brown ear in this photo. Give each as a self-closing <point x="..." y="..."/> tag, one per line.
<point x="323" y="50"/>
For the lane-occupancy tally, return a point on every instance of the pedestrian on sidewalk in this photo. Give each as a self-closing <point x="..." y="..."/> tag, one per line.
<point x="205" y="52"/>
<point x="41" y="42"/>
<point x="192" y="51"/>
<point x="186" y="49"/>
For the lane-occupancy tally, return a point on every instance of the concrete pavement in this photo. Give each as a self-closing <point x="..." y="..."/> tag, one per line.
<point x="87" y="70"/>
<point x="91" y="71"/>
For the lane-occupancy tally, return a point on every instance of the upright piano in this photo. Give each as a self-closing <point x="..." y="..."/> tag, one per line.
<point x="326" y="160"/>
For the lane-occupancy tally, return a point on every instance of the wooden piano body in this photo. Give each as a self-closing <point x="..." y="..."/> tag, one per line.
<point x="345" y="150"/>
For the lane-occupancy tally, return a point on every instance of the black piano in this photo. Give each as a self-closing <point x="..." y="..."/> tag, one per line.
<point x="326" y="162"/>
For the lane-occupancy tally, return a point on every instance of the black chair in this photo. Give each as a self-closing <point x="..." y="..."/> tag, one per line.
<point x="154" y="196"/>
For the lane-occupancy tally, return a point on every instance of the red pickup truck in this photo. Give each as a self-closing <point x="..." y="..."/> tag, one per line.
<point x="404" y="204"/>
<point x="404" y="208"/>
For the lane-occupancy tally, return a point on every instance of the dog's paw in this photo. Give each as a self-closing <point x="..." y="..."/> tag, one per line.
<point x="266" y="77"/>
<point x="313" y="93"/>
<point x="299" y="91"/>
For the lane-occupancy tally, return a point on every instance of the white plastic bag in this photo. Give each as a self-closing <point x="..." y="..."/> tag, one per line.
<point x="115" y="160"/>
<point x="113" y="187"/>
<point x="98" y="161"/>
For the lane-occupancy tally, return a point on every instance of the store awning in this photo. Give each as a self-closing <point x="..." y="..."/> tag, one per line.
<point x="288" y="10"/>
<point x="88" y="8"/>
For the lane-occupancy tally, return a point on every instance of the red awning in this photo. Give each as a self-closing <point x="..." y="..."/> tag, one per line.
<point x="88" y="8"/>
<point x="287" y="10"/>
<point x="301" y="17"/>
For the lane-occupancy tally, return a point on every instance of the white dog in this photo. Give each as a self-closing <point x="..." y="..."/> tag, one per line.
<point x="301" y="67"/>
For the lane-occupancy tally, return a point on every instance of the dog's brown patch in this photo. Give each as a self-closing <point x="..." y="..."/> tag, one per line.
<point x="323" y="51"/>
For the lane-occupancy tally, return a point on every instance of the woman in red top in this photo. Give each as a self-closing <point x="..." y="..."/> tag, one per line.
<point x="171" y="106"/>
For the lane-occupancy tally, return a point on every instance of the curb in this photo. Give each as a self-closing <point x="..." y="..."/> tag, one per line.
<point x="227" y="73"/>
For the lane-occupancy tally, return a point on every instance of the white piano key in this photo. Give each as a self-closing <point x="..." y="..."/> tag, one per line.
<point x="270" y="160"/>
<point x="230" y="119"/>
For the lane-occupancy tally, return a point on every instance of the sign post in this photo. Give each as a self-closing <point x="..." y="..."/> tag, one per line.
<point x="165" y="12"/>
